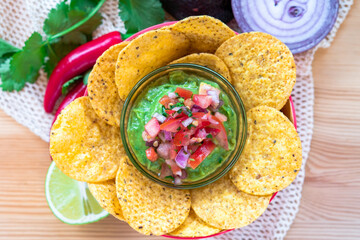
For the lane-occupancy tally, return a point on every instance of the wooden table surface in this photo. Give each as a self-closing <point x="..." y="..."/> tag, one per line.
<point x="329" y="209"/>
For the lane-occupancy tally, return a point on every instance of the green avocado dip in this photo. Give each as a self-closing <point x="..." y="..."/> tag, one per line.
<point x="178" y="107"/>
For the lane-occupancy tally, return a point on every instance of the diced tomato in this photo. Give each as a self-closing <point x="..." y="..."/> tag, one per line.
<point x="192" y="148"/>
<point x="170" y="112"/>
<point x="152" y="127"/>
<point x="189" y="103"/>
<point x="184" y="93"/>
<point x="172" y="125"/>
<point x="174" y="167"/>
<point x="198" y="115"/>
<point x="202" y="101"/>
<point x="205" y="89"/>
<point x="166" y="100"/>
<point x="212" y="131"/>
<point x="173" y="151"/>
<point x="201" y="153"/>
<point x="182" y="138"/>
<point x="151" y="154"/>
<point x="221" y="136"/>
<point x="221" y="117"/>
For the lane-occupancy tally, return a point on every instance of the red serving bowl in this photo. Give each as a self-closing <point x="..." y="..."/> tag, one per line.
<point x="288" y="110"/>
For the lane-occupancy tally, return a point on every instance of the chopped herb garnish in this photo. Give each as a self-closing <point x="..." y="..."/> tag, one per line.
<point x="163" y="112"/>
<point x="177" y="95"/>
<point x="181" y="100"/>
<point x="179" y="128"/>
<point x="189" y="114"/>
<point x="190" y="126"/>
<point x="191" y="159"/>
<point x="209" y="136"/>
<point x="177" y="105"/>
<point x="179" y="111"/>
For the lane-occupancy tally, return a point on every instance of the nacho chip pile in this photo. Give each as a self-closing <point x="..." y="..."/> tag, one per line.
<point x="85" y="140"/>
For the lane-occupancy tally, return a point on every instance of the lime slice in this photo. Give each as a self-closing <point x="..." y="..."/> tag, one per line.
<point x="71" y="200"/>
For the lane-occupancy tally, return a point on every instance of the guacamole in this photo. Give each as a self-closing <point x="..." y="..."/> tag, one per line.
<point x="147" y="106"/>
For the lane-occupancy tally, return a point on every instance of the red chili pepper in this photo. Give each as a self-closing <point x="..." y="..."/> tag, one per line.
<point x="76" y="92"/>
<point x="76" y="62"/>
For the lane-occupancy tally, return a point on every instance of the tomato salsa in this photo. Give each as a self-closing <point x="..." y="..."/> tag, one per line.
<point x="182" y="129"/>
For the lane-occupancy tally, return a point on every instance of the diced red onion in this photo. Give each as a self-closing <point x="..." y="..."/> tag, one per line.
<point x="186" y="148"/>
<point x="184" y="174"/>
<point x="146" y="137"/>
<point x="150" y="144"/>
<point x="167" y="135"/>
<point x="176" y="108"/>
<point x="164" y="150"/>
<point x="181" y="158"/>
<point x="159" y="117"/>
<point x="301" y="25"/>
<point x="172" y="95"/>
<point x="177" y="181"/>
<point x="187" y="122"/>
<point x="165" y="171"/>
<point x="185" y="110"/>
<point x="197" y="108"/>
<point x="215" y="97"/>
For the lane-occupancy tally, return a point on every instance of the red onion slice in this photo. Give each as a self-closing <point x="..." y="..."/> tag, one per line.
<point x="187" y="122"/>
<point x="159" y="117"/>
<point x="300" y="24"/>
<point x="181" y="158"/>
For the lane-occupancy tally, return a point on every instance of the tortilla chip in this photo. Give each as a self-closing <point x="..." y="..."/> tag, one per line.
<point x="83" y="146"/>
<point x="205" y="33"/>
<point x="102" y="89"/>
<point x="222" y="205"/>
<point x="146" y="53"/>
<point x="272" y="156"/>
<point x="148" y="207"/>
<point x="262" y="68"/>
<point x="105" y="194"/>
<point x="194" y="227"/>
<point x="207" y="60"/>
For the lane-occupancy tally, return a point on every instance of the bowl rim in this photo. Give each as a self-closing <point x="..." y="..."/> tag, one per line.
<point x="293" y="115"/>
<point x="241" y="121"/>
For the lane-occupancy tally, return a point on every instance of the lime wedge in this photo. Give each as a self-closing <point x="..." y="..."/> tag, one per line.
<point x="71" y="200"/>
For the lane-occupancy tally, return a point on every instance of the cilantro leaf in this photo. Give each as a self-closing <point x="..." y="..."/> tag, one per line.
<point x="57" y="51"/>
<point x="64" y="16"/>
<point x="138" y="14"/>
<point x="25" y="65"/>
<point x="6" y="49"/>
<point x="69" y="84"/>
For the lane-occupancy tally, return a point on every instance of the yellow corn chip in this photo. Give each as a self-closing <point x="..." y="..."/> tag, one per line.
<point x="262" y="68"/>
<point x="272" y="156"/>
<point x="102" y="89"/>
<point x="207" y="60"/>
<point x="146" y="53"/>
<point x="148" y="207"/>
<point x="83" y="146"/>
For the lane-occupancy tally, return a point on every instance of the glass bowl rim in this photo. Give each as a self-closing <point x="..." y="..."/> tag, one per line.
<point x="237" y="151"/>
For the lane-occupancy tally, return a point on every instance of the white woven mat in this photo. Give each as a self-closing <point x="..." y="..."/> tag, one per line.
<point x="18" y="19"/>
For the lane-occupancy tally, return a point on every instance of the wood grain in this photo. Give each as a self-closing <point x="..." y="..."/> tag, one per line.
<point x="329" y="208"/>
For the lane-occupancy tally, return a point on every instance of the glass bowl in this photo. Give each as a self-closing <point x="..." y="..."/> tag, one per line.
<point x="154" y="79"/>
